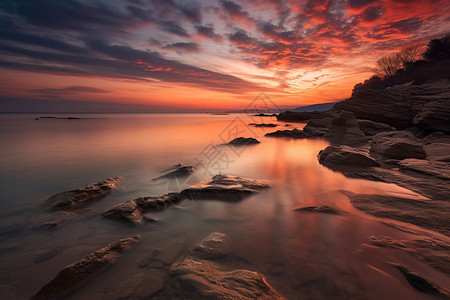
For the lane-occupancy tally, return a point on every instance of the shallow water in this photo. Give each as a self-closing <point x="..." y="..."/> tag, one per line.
<point x="302" y="255"/>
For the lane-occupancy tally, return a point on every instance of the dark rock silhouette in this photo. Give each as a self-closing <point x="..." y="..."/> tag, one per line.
<point x="294" y="133"/>
<point x="339" y="156"/>
<point x="420" y="283"/>
<point x="74" y="275"/>
<point x="74" y="199"/>
<point x="263" y="124"/>
<point x="321" y="209"/>
<point x="241" y="141"/>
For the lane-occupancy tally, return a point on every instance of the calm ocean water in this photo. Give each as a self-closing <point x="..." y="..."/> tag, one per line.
<point x="302" y="255"/>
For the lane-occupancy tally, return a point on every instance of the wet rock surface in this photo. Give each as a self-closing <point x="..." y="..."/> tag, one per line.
<point x="72" y="200"/>
<point x="178" y="170"/>
<point x="224" y="187"/>
<point x="420" y="283"/>
<point x="72" y="276"/>
<point x="198" y="278"/>
<point x="321" y="209"/>
<point x="133" y="211"/>
<point x="214" y="246"/>
<point x="433" y="168"/>
<point x="425" y="213"/>
<point x="241" y="141"/>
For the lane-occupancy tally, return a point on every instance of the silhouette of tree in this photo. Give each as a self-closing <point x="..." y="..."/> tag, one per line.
<point x="410" y="54"/>
<point x="388" y="66"/>
<point x="438" y="49"/>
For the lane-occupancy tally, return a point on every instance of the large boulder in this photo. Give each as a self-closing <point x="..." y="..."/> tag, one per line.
<point x="397" y="145"/>
<point x="79" y="272"/>
<point x="318" y="127"/>
<point x="197" y="277"/>
<point x="345" y="130"/>
<point x="75" y="199"/>
<point x="434" y="116"/>
<point x="334" y="156"/>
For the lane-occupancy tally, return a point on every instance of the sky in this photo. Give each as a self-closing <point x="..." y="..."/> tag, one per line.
<point x="174" y="55"/>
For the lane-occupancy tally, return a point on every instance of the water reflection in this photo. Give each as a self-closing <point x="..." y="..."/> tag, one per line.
<point x="310" y="255"/>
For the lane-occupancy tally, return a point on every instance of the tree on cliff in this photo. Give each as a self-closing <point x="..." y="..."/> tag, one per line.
<point x="438" y="49"/>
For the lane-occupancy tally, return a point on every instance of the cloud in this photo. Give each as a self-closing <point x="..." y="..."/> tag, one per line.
<point x="372" y="13"/>
<point x="188" y="47"/>
<point x="359" y="3"/>
<point x="70" y="90"/>
<point x="207" y="31"/>
<point x="174" y="27"/>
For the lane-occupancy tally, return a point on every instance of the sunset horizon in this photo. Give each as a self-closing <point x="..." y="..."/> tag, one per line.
<point x="200" y="56"/>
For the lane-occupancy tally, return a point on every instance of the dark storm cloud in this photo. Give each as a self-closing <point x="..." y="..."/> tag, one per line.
<point x="233" y="9"/>
<point x="372" y="13"/>
<point x="188" y="47"/>
<point x="174" y="27"/>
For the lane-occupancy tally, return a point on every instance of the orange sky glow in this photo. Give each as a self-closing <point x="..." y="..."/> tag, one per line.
<point x="202" y="55"/>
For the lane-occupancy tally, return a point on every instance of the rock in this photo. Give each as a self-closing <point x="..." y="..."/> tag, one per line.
<point x="438" y="151"/>
<point x="333" y="156"/>
<point x="265" y="115"/>
<point x="241" y="141"/>
<point x="177" y="171"/>
<point x="196" y="278"/>
<point x="79" y="272"/>
<point x="397" y="145"/>
<point x="433" y="168"/>
<point x="224" y="187"/>
<point x="133" y="210"/>
<point x="371" y="128"/>
<point x="430" y="250"/>
<point x="294" y="133"/>
<point x="322" y="209"/>
<point x="318" y="127"/>
<point x="345" y="130"/>
<point x="434" y="116"/>
<point x="420" y="283"/>
<point x="263" y="124"/>
<point x="424" y="213"/>
<point x="214" y="246"/>
<point x="398" y="105"/>
<point x="74" y="199"/>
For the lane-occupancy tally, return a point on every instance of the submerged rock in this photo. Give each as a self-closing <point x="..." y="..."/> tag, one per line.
<point x="428" y="214"/>
<point x="177" y="171"/>
<point x="263" y="124"/>
<point x="74" y="199"/>
<point x="197" y="278"/>
<point x="79" y="272"/>
<point x="335" y="156"/>
<point x="241" y="141"/>
<point x="397" y="145"/>
<point x="224" y="187"/>
<point x="433" y="168"/>
<point x="213" y="246"/>
<point x="322" y="209"/>
<point x="294" y="133"/>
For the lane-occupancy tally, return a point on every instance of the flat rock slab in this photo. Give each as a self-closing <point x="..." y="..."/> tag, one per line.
<point x="242" y="141"/>
<point x="74" y="199"/>
<point x="79" y="272"/>
<point x="294" y="134"/>
<point x="430" y="249"/>
<point x="428" y="214"/>
<point x="224" y="187"/>
<point x="197" y="278"/>
<point x="177" y="171"/>
<point x="335" y="156"/>
<point x="321" y="209"/>
<point x="433" y="168"/>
